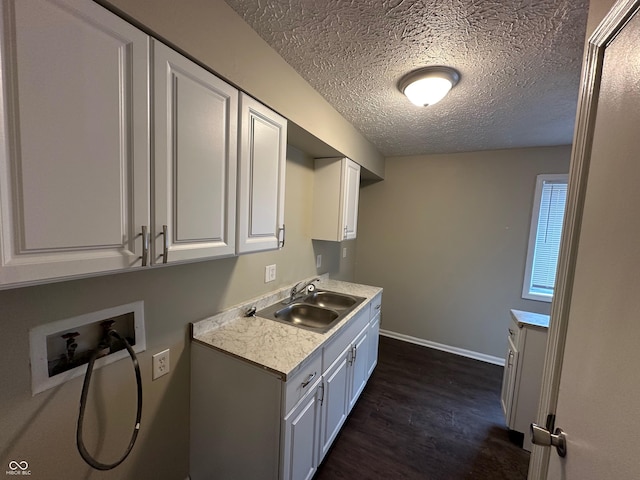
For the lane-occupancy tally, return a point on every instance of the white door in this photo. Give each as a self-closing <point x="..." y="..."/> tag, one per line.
<point x="359" y="364"/>
<point x="335" y="399"/>
<point x="196" y="117"/>
<point x="302" y="427"/>
<point x="598" y="402"/>
<point x="372" y="350"/>
<point x="74" y="160"/>
<point x="351" y="192"/>
<point x="261" y="177"/>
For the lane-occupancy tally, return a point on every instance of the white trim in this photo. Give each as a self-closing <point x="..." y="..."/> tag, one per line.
<point x="445" y="348"/>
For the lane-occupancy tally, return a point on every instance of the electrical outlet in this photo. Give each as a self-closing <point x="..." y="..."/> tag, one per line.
<point x="161" y="364"/>
<point x="318" y="261"/>
<point x="269" y="273"/>
<point x="344" y="252"/>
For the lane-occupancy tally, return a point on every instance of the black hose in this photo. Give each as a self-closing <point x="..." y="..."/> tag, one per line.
<point x="83" y="403"/>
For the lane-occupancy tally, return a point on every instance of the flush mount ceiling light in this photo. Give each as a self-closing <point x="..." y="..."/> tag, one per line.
<point x="428" y="85"/>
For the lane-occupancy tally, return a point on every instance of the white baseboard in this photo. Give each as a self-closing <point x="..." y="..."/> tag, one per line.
<point x="445" y="348"/>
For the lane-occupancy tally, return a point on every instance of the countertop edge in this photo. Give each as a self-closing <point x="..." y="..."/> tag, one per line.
<point x="530" y="319"/>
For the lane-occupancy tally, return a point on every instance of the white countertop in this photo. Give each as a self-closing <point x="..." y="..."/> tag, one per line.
<point x="523" y="318"/>
<point x="272" y="345"/>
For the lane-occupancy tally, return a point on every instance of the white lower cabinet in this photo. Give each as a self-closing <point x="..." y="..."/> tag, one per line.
<point x="247" y="423"/>
<point x="374" y="333"/>
<point x="336" y="391"/>
<point x="300" y="454"/>
<point x="522" y="378"/>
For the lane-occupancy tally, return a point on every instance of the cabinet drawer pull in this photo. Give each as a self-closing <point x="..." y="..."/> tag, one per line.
<point x="145" y="246"/>
<point x="511" y="332"/>
<point x="378" y="306"/>
<point x="282" y="229"/>
<point x="165" y="244"/>
<point x="308" y="380"/>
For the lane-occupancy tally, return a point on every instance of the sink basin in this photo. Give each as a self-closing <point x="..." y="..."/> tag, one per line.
<point x="333" y="300"/>
<point x="318" y="311"/>
<point x="307" y="315"/>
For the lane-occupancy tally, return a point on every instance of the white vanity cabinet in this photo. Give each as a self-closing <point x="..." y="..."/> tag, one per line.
<point x="261" y="177"/>
<point x="522" y="378"/>
<point x="248" y="423"/>
<point x="301" y="427"/>
<point x="335" y="199"/>
<point x="195" y="160"/>
<point x="74" y="163"/>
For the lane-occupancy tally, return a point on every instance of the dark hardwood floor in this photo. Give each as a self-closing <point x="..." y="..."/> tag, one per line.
<point x="426" y="414"/>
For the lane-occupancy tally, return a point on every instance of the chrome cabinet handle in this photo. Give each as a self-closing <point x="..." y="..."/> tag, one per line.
<point x="355" y="352"/>
<point x="165" y="246"/>
<point x="145" y="246"/>
<point x="321" y="386"/>
<point x="510" y="361"/>
<point x="282" y="229"/>
<point x="511" y="332"/>
<point x="378" y="306"/>
<point x="308" y="380"/>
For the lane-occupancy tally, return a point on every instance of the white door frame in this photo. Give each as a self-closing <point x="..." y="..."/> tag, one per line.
<point x="608" y="29"/>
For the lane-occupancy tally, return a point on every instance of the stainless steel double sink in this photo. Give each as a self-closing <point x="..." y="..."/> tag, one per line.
<point x="318" y="311"/>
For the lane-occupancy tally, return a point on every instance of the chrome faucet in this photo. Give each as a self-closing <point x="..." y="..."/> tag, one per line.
<point x="298" y="290"/>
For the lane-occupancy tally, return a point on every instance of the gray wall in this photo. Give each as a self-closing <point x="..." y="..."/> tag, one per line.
<point x="446" y="237"/>
<point x="41" y="429"/>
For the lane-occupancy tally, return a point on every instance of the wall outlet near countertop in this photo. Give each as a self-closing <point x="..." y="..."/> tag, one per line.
<point x="269" y="273"/>
<point x="161" y="364"/>
<point x="318" y="261"/>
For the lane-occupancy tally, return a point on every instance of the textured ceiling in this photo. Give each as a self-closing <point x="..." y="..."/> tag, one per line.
<point x="519" y="63"/>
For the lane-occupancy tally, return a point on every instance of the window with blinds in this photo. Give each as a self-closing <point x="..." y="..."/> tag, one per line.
<point x="544" y="238"/>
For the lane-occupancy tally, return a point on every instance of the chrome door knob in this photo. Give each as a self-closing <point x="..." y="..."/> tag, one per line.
<point x="544" y="438"/>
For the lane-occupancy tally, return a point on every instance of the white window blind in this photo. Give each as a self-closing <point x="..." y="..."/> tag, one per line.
<point x="544" y="239"/>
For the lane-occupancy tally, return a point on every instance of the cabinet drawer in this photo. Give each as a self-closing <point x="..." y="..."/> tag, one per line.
<point x="344" y="338"/>
<point x="302" y="382"/>
<point x="376" y="305"/>
<point x="514" y="333"/>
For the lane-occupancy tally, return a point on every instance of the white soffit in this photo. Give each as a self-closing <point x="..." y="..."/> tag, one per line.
<point x="519" y="63"/>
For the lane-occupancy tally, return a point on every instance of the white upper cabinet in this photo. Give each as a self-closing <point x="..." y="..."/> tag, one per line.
<point x="335" y="199"/>
<point x="74" y="185"/>
<point x="195" y="160"/>
<point x="261" y="177"/>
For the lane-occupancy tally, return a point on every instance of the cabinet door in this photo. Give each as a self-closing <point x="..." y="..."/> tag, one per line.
<point x="359" y="366"/>
<point x="508" y="383"/>
<point x="350" y="192"/>
<point x="374" y="337"/>
<point x="261" y="177"/>
<point x="195" y="160"/>
<point x="302" y="425"/>
<point x="74" y="166"/>
<point x="335" y="403"/>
